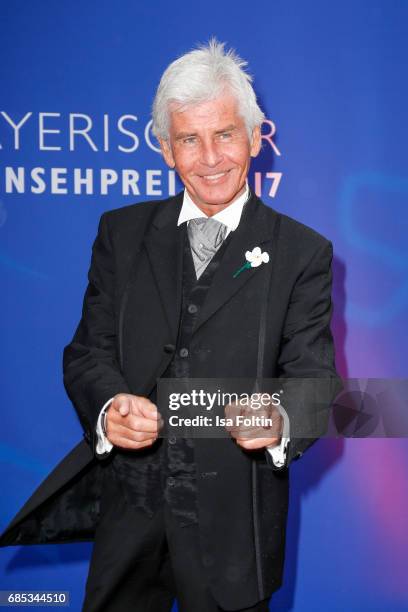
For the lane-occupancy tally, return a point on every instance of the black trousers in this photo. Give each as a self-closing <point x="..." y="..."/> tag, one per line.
<point x="141" y="564"/>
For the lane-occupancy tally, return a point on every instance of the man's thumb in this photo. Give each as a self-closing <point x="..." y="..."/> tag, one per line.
<point x="122" y="405"/>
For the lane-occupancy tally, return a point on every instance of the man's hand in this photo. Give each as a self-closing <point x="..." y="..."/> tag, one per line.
<point x="254" y="428"/>
<point x="132" y="421"/>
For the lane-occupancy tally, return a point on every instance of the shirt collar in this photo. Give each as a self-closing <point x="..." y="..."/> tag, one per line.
<point x="230" y="216"/>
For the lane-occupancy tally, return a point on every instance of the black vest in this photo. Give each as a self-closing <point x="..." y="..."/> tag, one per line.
<point x="167" y="471"/>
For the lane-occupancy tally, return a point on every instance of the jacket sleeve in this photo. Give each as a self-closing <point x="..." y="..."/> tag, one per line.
<point x="307" y="352"/>
<point x="91" y="370"/>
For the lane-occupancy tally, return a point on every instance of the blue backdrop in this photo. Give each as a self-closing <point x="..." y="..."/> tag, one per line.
<point x="78" y="80"/>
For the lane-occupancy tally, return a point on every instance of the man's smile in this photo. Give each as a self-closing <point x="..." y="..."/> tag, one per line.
<point x="212" y="178"/>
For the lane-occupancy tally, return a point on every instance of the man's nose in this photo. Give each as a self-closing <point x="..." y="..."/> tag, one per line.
<point x="210" y="154"/>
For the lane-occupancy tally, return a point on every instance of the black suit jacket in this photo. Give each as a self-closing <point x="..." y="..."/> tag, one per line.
<point x="130" y="317"/>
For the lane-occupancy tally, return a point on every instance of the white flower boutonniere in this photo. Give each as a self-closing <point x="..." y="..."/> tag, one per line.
<point x="254" y="259"/>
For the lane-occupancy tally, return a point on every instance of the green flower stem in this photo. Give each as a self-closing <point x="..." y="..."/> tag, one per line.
<point x="244" y="267"/>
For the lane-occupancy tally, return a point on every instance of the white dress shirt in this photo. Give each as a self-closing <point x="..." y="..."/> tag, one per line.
<point x="230" y="216"/>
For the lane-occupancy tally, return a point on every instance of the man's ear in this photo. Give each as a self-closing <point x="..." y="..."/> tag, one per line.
<point x="256" y="141"/>
<point x="167" y="152"/>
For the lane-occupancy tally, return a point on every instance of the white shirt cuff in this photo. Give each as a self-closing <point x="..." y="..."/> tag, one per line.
<point x="103" y="445"/>
<point x="278" y="453"/>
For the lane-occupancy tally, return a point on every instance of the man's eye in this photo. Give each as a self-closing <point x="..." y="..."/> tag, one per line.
<point x="189" y="140"/>
<point x="225" y="135"/>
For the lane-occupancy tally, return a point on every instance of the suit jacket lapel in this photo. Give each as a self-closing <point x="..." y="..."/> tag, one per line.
<point x="255" y="229"/>
<point x="164" y="245"/>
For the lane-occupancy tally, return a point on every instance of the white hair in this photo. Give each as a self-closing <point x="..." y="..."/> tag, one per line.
<point x="202" y="75"/>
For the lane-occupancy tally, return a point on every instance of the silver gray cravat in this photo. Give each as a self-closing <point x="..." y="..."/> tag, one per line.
<point x="206" y="235"/>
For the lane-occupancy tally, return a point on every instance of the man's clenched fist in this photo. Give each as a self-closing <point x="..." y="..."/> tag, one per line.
<point x="132" y="421"/>
<point x="254" y="428"/>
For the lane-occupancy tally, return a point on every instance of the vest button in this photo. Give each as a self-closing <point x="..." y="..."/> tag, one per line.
<point x="207" y="560"/>
<point x="172" y="440"/>
<point x="192" y="308"/>
<point x="171" y="481"/>
<point x="183" y="352"/>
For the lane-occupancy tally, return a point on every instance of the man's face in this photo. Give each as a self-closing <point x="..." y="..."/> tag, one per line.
<point x="210" y="149"/>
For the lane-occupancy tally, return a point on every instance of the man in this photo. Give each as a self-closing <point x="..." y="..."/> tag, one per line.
<point x="208" y="284"/>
